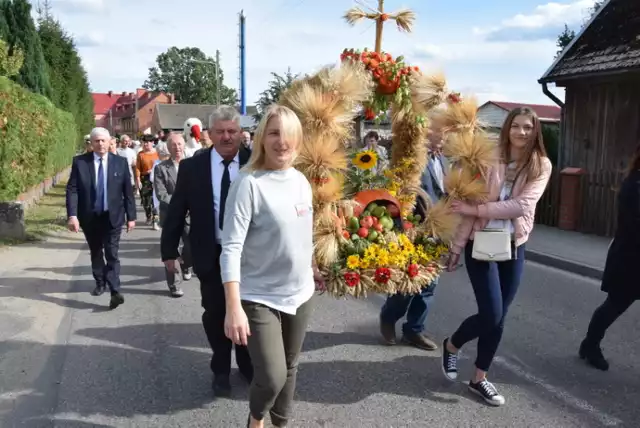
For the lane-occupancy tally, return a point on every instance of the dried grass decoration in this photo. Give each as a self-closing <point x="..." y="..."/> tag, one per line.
<point x="367" y="238"/>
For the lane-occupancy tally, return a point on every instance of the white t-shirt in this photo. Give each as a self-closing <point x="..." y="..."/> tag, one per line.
<point x="505" y="194"/>
<point x="130" y="155"/>
<point x="267" y="241"/>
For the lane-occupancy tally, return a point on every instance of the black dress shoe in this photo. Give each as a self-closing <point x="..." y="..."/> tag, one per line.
<point x="116" y="300"/>
<point x="99" y="290"/>
<point x="221" y="386"/>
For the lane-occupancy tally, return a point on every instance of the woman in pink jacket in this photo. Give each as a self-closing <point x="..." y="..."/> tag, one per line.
<point x="515" y="185"/>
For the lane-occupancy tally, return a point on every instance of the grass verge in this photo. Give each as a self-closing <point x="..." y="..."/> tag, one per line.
<point x="48" y="216"/>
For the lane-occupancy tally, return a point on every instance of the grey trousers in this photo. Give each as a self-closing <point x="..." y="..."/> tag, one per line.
<point x="274" y="346"/>
<point x="174" y="279"/>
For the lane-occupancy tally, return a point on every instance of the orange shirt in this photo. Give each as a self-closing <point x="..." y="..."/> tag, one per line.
<point x="144" y="162"/>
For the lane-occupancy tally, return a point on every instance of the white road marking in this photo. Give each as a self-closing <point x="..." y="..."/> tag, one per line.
<point x="559" y="393"/>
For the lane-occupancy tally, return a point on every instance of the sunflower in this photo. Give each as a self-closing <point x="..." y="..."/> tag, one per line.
<point x="353" y="261"/>
<point x="366" y="159"/>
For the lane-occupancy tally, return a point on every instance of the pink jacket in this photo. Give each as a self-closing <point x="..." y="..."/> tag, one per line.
<point x="521" y="208"/>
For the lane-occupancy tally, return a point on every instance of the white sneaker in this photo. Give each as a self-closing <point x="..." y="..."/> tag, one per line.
<point x="155" y="226"/>
<point x="187" y="276"/>
<point x="487" y="391"/>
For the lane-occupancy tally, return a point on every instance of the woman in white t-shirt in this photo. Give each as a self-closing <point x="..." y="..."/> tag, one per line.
<point x="269" y="293"/>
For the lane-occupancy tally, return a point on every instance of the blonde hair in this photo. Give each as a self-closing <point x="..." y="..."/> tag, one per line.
<point x="290" y="130"/>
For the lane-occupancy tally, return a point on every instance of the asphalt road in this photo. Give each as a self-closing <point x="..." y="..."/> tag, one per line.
<point x="65" y="361"/>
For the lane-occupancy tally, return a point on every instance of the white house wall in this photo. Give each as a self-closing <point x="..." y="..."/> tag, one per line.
<point x="492" y="116"/>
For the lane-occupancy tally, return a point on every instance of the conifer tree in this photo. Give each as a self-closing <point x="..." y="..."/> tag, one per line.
<point x="69" y="82"/>
<point x="21" y="34"/>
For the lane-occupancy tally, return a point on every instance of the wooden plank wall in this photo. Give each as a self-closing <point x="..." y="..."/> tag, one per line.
<point x="602" y="130"/>
<point x="602" y="124"/>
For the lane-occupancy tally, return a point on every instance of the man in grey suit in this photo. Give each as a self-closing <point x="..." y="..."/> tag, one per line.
<point x="164" y="182"/>
<point x="416" y="307"/>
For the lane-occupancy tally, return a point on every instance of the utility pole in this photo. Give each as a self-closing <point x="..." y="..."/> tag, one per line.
<point x="135" y="116"/>
<point x="217" y="77"/>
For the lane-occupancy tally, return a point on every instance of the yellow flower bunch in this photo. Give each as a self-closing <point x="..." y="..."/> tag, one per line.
<point x="396" y="178"/>
<point x="430" y="253"/>
<point x="392" y="255"/>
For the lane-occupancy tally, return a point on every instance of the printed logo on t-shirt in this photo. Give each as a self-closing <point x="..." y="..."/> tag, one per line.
<point x="303" y="209"/>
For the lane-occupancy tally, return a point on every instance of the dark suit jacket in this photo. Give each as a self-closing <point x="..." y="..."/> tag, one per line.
<point x="164" y="183"/>
<point x="81" y="190"/>
<point x="429" y="183"/>
<point x="193" y="195"/>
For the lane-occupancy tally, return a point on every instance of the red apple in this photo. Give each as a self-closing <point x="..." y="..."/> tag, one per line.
<point x="367" y="222"/>
<point x="358" y="210"/>
<point x="378" y="228"/>
<point x="393" y="210"/>
<point x="407" y="225"/>
<point x="375" y="220"/>
<point x="363" y="232"/>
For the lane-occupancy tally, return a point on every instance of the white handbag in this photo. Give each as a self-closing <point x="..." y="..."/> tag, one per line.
<point x="492" y="245"/>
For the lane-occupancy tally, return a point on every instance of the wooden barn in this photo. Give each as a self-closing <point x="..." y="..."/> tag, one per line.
<point x="600" y="71"/>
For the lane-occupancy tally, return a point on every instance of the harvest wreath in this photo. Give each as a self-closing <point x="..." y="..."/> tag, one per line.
<point x="367" y="238"/>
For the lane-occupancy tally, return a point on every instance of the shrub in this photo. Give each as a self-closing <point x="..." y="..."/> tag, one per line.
<point x="37" y="140"/>
<point x="551" y="137"/>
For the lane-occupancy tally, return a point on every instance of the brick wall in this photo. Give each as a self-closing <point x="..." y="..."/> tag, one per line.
<point x="146" y="113"/>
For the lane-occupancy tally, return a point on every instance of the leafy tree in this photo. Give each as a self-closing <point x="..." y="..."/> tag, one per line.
<point x="10" y="65"/>
<point x="190" y="75"/>
<point x="70" y="85"/>
<point x="568" y="35"/>
<point x="277" y="85"/>
<point x="21" y="34"/>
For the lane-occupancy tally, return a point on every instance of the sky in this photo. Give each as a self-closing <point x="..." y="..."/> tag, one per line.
<point x="495" y="52"/>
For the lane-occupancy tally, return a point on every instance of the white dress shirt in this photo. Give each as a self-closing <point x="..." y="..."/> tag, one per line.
<point x="217" y="170"/>
<point x="437" y="170"/>
<point x="105" y="168"/>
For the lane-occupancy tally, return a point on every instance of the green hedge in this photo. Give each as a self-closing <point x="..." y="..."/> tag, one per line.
<point x="37" y="140"/>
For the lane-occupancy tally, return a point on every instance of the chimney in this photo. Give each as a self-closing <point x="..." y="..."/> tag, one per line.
<point x="130" y="94"/>
<point x="110" y="93"/>
<point x="124" y="94"/>
<point x="172" y="98"/>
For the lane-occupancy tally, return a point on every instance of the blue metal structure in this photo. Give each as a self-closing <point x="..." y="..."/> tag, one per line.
<point x="243" y="91"/>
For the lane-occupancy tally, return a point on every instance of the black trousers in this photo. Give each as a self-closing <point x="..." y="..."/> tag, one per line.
<point x="213" y="302"/>
<point x="104" y="243"/>
<point x="606" y="314"/>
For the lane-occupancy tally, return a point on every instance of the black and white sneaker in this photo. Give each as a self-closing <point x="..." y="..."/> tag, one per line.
<point x="487" y="391"/>
<point x="449" y="362"/>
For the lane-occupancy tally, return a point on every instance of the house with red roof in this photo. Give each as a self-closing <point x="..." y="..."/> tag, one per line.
<point x="492" y="114"/>
<point x="128" y="112"/>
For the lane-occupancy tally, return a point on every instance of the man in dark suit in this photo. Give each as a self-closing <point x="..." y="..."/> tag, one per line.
<point x="98" y="197"/>
<point x="164" y="184"/>
<point x="201" y="191"/>
<point x="416" y="307"/>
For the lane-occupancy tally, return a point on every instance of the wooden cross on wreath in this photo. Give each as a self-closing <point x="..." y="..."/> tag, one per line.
<point x="404" y="19"/>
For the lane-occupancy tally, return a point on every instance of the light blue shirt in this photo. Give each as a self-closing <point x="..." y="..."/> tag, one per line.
<point x="96" y="164"/>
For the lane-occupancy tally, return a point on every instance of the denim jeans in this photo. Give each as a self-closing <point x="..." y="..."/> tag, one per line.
<point x="495" y="285"/>
<point x="416" y="307"/>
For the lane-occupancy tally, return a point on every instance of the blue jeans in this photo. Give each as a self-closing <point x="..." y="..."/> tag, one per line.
<point x="415" y="306"/>
<point x="495" y="285"/>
